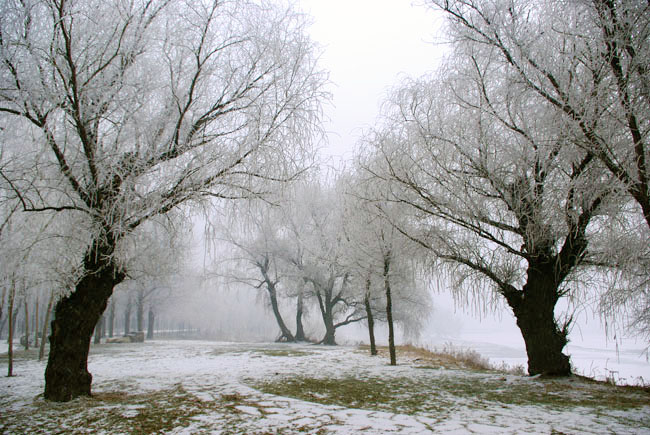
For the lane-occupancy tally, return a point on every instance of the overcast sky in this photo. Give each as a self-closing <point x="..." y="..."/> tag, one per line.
<point x="367" y="46"/>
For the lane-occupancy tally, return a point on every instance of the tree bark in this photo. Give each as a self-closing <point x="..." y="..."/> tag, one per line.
<point x="389" y="311"/>
<point x="371" y="324"/>
<point x="76" y="315"/>
<point x="150" y="323"/>
<point x="534" y="310"/>
<point x="46" y="322"/>
<point x="300" y="331"/>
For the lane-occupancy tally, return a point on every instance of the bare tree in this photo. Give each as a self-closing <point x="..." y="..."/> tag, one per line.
<point x="169" y="102"/>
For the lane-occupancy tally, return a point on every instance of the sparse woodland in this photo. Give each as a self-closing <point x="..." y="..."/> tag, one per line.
<point x="132" y="132"/>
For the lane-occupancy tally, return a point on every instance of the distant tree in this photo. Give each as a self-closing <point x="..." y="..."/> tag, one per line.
<point x="384" y="259"/>
<point x="256" y="260"/>
<point x="315" y="228"/>
<point x="129" y="110"/>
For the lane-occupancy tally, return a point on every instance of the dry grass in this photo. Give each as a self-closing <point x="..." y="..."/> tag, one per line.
<point x="448" y="357"/>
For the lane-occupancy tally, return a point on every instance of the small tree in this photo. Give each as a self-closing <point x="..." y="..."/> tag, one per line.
<point x="382" y="256"/>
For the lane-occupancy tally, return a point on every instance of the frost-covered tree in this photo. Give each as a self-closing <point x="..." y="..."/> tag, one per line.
<point x="116" y="112"/>
<point x="588" y="62"/>
<point x="315" y="247"/>
<point x="383" y="260"/>
<point x="500" y="195"/>
<point x="258" y="257"/>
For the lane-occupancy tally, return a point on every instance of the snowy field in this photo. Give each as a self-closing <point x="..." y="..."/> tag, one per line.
<point x="185" y="387"/>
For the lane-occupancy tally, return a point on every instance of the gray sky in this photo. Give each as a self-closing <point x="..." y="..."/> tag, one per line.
<point x="367" y="45"/>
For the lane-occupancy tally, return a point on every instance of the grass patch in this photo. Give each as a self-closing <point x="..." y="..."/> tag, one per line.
<point x="391" y="395"/>
<point x="280" y="352"/>
<point x="436" y="394"/>
<point x="448" y="357"/>
<point x="120" y="412"/>
<point x="20" y="354"/>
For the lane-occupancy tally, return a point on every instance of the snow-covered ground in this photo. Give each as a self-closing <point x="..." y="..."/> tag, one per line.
<point x="226" y="374"/>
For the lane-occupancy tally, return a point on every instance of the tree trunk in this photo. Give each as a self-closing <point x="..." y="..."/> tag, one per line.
<point x="36" y="323"/>
<point x="330" y="336"/>
<point x="127" y="317"/>
<point x="300" y="331"/>
<point x="534" y="310"/>
<point x="328" y="318"/>
<point x="389" y="311"/>
<point x="10" y="338"/>
<point x="111" y="319"/>
<point x="371" y="324"/>
<point x="75" y="317"/>
<point x="286" y="335"/>
<point x="140" y="311"/>
<point x="2" y="306"/>
<point x="46" y="322"/>
<point x="26" y="323"/>
<point x="150" y="323"/>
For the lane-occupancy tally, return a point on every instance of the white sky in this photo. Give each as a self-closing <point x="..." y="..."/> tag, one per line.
<point x="367" y="45"/>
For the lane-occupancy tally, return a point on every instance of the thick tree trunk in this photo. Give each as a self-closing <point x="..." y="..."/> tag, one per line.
<point x="534" y="310"/>
<point x="328" y="318"/>
<point x="389" y="311"/>
<point x="75" y="317"/>
<point x="330" y="335"/>
<point x="150" y="323"/>
<point x="371" y="325"/>
<point x="46" y="322"/>
<point x="300" y="331"/>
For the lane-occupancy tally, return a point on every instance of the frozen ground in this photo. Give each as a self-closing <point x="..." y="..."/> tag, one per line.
<point x="205" y="387"/>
